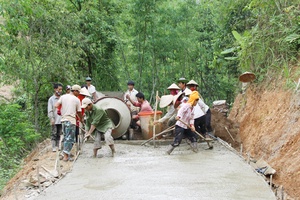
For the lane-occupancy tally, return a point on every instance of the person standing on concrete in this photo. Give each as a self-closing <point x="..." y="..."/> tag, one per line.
<point x="132" y="94"/>
<point x="98" y="121"/>
<point x="185" y="114"/>
<point x="206" y="119"/>
<point x="55" y="119"/>
<point x="70" y="108"/>
<point x="143" y="104"/>
<point x="91" y="88"/>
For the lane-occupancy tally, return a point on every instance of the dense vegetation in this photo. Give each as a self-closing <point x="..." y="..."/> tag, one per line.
<point x="151" y="42"/>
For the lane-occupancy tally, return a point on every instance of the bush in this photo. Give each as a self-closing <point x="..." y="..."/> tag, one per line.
<point x="17" y="138"/>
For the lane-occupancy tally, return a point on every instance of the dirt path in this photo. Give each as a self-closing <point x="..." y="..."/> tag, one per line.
<point x="146" y="173"/>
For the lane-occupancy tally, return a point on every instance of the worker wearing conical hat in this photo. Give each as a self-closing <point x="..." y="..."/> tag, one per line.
<point x="185" y="116"/>
<point x="203" y="116"/>
<point x="173" y="89"/>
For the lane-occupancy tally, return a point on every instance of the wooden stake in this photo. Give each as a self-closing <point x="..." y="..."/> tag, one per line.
<point x="167" y="130"/>
<point x="154" y="126"/>
<point x="241" y="149"/>
<point x="229" y="133"/>
<point x="271" y="180"/>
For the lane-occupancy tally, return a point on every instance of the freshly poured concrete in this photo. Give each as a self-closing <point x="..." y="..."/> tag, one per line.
<point x="138" y="172"/>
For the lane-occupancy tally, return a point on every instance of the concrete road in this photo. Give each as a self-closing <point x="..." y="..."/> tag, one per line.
<point x="138" y="172"/>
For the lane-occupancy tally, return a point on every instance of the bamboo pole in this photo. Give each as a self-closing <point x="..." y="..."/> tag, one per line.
<point x="154" y="126"/>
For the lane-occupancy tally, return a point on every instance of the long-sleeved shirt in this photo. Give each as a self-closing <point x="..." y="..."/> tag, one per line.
<point x="203" y="106"/>
<point x="198" y="111"/>
<point x="132" y="95"/>
<point x="186" y="114"/>
<point x="52" y="114"/>
<point x="98" y="117"/>
<point x="168" y="115"/>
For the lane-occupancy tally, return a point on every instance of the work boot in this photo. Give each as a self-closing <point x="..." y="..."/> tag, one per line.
<point x="113" y="151"/>
<point x="171" y="148"/>
<point x="194" y="147"/>
<point x="53" y="142"/>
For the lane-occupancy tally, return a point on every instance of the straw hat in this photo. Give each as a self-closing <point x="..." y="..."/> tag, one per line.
<point x="177" y="97"/>
<point x="192" y="82"/>
<point x="247" y="77"/>
<point x="187" y="92"/>
<point x="173" y="87"/>
<point x="85" y="92"/>
<point x="182" y="80"/>
<point x="165" y="101"/>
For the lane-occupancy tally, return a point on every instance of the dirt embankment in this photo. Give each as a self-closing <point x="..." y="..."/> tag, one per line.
<point x="270" y="129"/>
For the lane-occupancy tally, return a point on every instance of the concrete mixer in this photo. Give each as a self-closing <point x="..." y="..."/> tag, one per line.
<point x="118" y="112"/>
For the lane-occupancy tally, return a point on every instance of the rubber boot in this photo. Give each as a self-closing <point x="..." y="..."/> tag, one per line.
<point x="195" y="147"/>
<point x="53" y="142"/>
<point x="113" y="151"/>
<point x="171" y="148"/>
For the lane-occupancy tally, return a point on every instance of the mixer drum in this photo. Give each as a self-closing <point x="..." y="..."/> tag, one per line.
<point x="118" y="112"/>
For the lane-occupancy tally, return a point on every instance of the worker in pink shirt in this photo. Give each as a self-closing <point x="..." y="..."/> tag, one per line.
<point x="142" y="103"/>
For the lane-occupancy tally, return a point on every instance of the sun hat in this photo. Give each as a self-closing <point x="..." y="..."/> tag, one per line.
<point x="88" y="78"/>
<point x="192" y="82"/>
<point x="166" y="100"/>
<point x="84" y="92"/>
<point x="182" y="80"/>
<point x="76" y="87"/>
<point x="177" y="97"/>
<point x="247" y="77"/>
<point x="173" y="87"/>
<point x="86" y="102"/>
<point x="187" y="92"/>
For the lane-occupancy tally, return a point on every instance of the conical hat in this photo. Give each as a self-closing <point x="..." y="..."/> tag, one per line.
<point x="247" y="77"/>
<point x="192" y="82"/>
<point x="166" y="100"/>
<point x="173" y="87"/>
<point x="85" y="92"/>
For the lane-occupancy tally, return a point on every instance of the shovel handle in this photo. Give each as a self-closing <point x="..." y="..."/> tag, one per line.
<point x="190" y="127"/>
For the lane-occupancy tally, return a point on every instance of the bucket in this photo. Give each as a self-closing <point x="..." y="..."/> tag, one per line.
<point x="118" y="112"/>
<point x="146" y="119"/>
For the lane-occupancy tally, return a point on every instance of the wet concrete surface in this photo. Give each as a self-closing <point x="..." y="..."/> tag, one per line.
<point x="139" y="172"/>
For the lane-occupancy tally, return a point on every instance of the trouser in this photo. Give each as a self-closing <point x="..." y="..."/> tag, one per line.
<point x="199" y="124"/>
<point x="133" y="121"/>
<point x="69" y="130"/>
<point x="180" y="133"/>
<point x="76" y="133"/>
<point x="56" y="130"/>
<point x="208" y="121"/>
<point x="109" y="140"/>
<point x="172" y="120"/>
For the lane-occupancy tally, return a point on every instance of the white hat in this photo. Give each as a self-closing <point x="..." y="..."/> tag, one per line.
<point x="166" y="100"/>
<point x="192" y="82"/>
<point x="173" y="87"/>
<point x="76" y="87"/>
<point x="86" y="102"/>
<point x="85" y="92"/>
<point x="187" y="92"/>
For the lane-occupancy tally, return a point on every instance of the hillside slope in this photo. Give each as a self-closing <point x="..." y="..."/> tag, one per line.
<point x="270" y="129"/>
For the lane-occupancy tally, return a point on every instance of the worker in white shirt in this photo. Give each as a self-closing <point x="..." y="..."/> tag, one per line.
<point x="182" y="85"/>
<point x="91" y="88"/>
<point x="205" y="108"/>
<point x="132" y="93"/>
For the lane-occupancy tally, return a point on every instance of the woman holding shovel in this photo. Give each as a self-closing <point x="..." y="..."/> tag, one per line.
<point x="185" y="116"/>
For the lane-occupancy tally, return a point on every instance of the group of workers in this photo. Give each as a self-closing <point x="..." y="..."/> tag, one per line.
<point x="186" y="110"/>
<point x="66" y="113"/>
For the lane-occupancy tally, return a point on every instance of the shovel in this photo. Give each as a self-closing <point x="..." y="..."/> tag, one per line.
<point x="207" y="140"/>
<point x="167" y="130"/>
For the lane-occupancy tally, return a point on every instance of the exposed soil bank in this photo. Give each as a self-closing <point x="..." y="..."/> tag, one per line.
<point x="139" y="172"/>
<point x="270" y="128"/>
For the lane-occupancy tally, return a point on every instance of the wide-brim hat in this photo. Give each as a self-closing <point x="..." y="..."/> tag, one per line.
<point x="247" y="77"/>
<point x="176" y="97"/>
<point x="165" y="101"/>
<point x="187" y="92"/>
<point x="173" y="87"/>
<point x="192" y="82"/>
<point x="183" y="80"/>
<point x="84" y="92"/>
